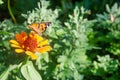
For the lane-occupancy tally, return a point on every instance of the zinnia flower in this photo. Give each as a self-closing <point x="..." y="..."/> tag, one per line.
<point x="30" y="44"/>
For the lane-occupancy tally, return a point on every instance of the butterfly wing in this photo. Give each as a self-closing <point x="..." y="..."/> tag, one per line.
<point x="44" y="25"/>
<point x="39" y="27"/>
<point x="35" y="27"/>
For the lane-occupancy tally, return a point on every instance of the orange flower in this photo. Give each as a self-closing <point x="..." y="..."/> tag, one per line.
<point x="30" y="44"/>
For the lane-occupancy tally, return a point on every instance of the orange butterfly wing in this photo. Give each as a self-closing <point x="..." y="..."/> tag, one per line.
<point x="34" y="27"/>
<point x="39" y="27"/>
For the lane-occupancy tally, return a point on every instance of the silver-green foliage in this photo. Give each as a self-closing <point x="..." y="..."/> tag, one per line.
<point x="41" y="14"/>
<point x="75" y="40"/>
<point x="105" y="64"/>
<point x="110" y="21"/>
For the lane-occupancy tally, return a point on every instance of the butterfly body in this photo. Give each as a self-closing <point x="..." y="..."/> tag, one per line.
<point x="39" y="27"/>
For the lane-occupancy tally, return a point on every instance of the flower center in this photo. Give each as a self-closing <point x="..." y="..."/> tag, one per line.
<point x="30" y="44"/>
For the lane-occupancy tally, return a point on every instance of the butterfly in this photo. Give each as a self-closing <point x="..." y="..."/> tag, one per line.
<point x="39" y="27"/>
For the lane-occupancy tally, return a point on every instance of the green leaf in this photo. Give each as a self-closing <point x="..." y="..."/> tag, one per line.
<point x="46" y="57"/>
<point x="4" y="32"/>
<point x="108" y="8"/>
<point x="25" y="73"/>
<point x="5" y="74"/>
<point x="6" y="44"/>
<point x="29" y="72"/>
<point x="60" y="32"/>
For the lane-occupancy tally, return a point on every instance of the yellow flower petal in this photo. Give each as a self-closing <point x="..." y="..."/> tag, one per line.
<point x="19" y="50"/>
<point x="16" y="46"/>
<point x="44" y="49"/>
<point x="28" y="53"/>
<point x="39" y="38"/>
<point x="14" y="42"/>
<point x="32" y="55"/>
<point x="43" y="43"/>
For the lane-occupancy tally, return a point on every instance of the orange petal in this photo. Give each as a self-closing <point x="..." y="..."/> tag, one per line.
<point x="32" y="55"/>
<point x="44" y="49"/>
<point x="36" y="36"/>
<point x="43" y="43"/>
<point x="21" y="37"/>
<point x="14" y="42"/>
<point x="32" y="34"/>
<point x="19" y="50"/>
<point x="23" y="34"/>
<point x="16" y="46"/>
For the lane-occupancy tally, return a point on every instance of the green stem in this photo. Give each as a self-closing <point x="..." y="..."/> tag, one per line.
<point x="25" y="61"/>
<point x="10" y="12"/>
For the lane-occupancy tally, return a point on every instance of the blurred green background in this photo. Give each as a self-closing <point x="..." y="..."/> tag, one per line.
<point x="21" y="6"/>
